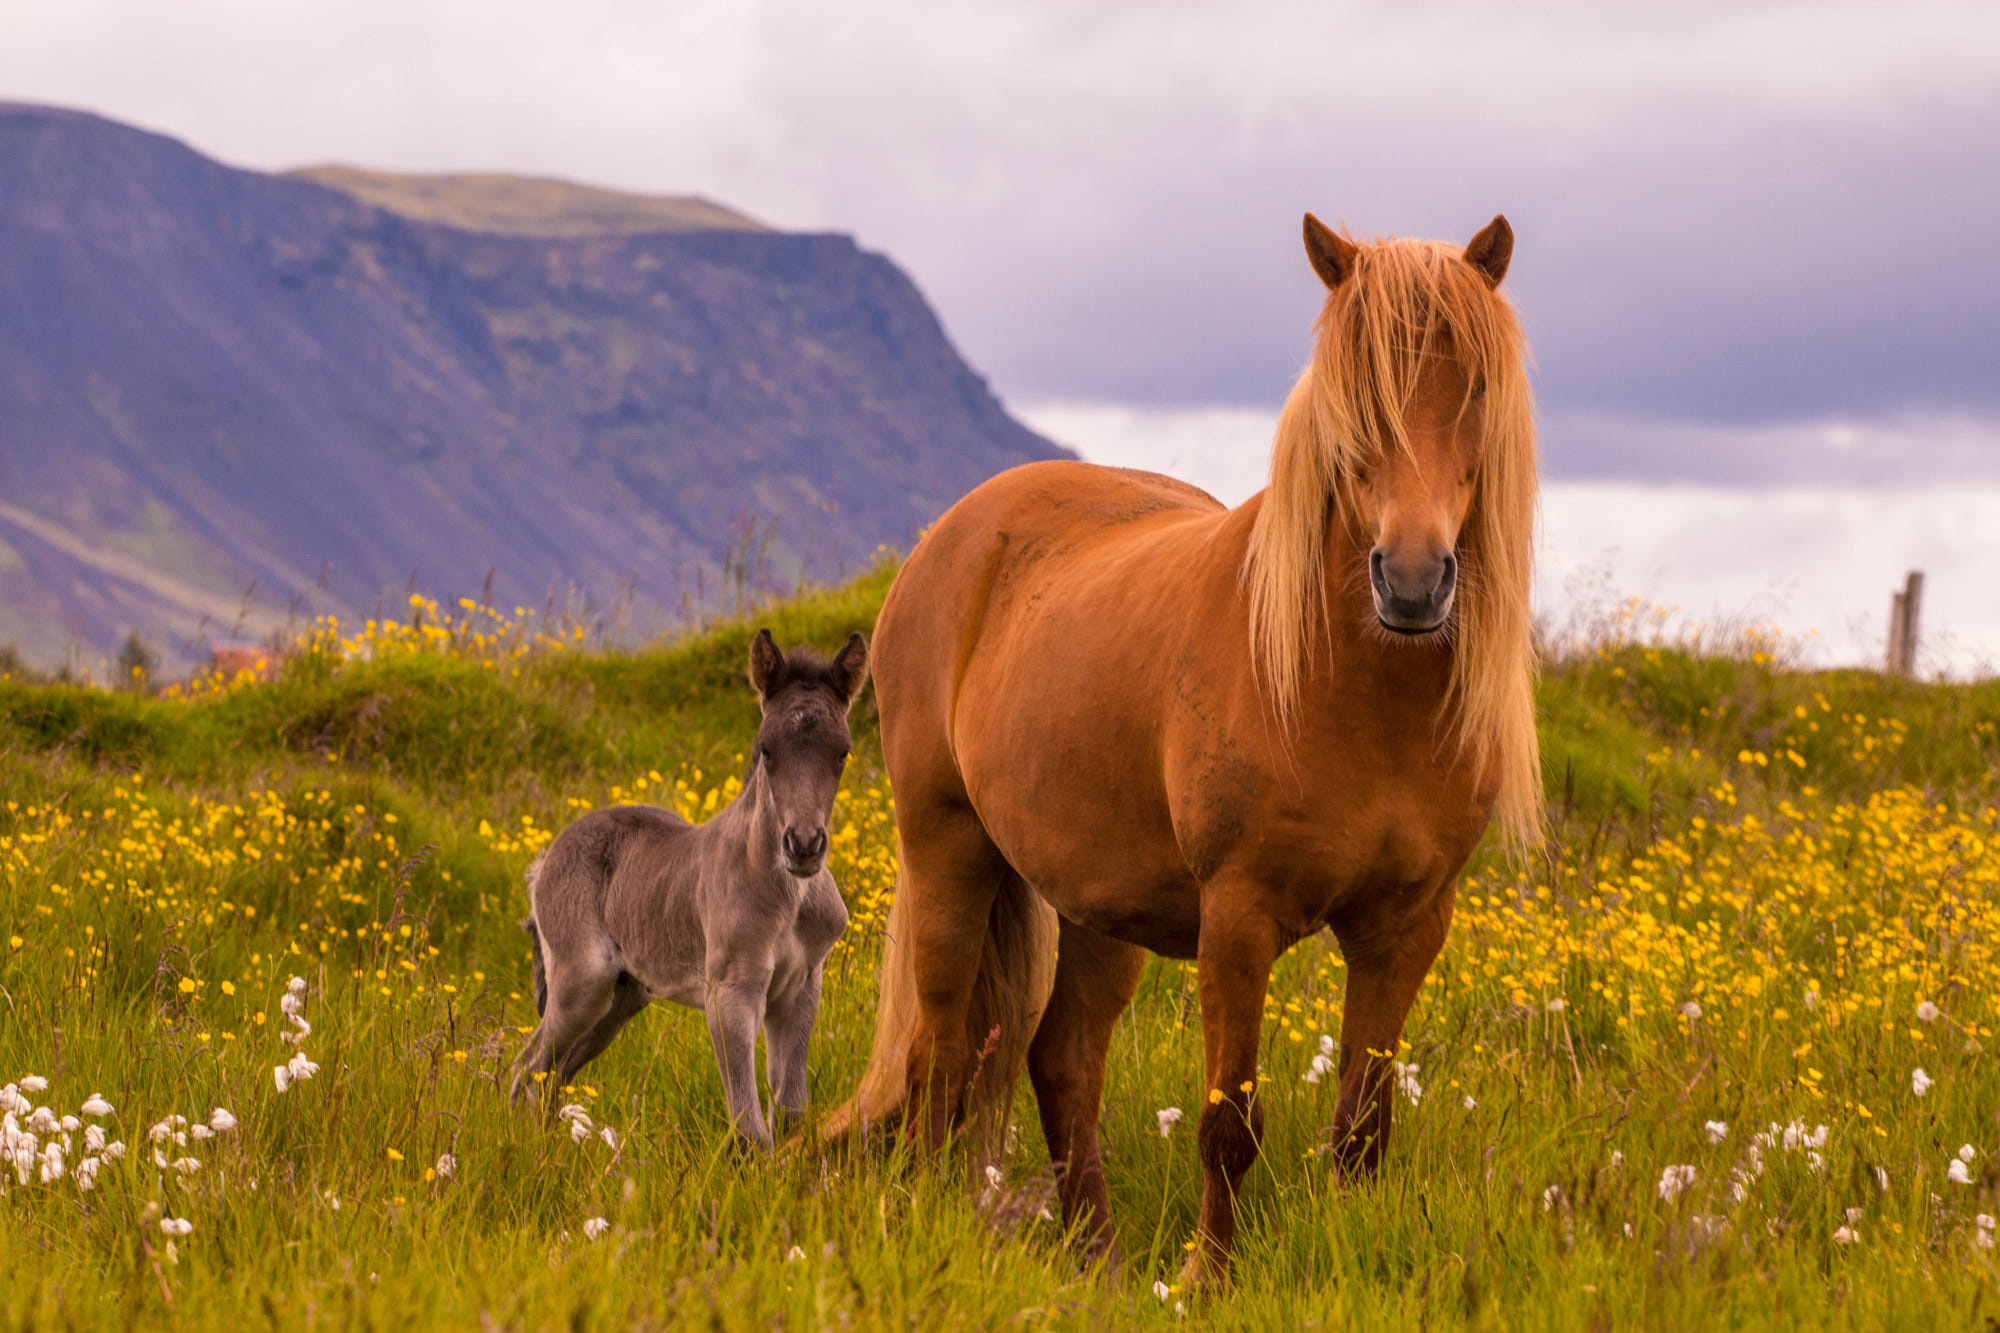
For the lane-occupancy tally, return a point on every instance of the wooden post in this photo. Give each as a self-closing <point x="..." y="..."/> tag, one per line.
<point x="1913" y="604"/>
<point x="1904" y="609"/>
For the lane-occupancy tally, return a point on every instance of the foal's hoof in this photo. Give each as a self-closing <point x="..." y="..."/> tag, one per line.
<point x="1206" y="1270"/>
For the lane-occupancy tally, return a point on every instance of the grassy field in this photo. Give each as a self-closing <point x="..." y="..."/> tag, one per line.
<point x="1719" y="1055"/>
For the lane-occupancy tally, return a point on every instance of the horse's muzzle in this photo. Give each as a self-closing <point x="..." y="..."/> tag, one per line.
<point x="1412" y="597"/>
<point x="805" y="855"/>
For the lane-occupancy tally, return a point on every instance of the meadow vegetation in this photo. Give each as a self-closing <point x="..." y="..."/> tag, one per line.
<point x="1720" y="1052"/>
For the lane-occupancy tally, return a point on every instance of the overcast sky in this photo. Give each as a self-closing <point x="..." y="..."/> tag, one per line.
<point x="1778" y="219"/>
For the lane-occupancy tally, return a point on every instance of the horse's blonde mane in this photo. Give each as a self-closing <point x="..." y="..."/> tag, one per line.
<point x="1347" y="408"/>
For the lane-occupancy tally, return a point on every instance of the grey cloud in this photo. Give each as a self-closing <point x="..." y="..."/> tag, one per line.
<point x="1730" y="213"/>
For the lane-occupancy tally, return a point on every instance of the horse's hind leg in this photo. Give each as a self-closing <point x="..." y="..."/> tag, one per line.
<point x="581" y="993"/>
<point x="952" y="872"/>
<point x="1095" y="979"/>
<point x="629" y="998"/>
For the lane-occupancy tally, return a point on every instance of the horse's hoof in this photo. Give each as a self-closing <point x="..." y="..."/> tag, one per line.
<point x="1104" y="1251"/>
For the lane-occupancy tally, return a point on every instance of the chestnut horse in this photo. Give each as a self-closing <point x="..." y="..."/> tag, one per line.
<point x="1118" y="717"/>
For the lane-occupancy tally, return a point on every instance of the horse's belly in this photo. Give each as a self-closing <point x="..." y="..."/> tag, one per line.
<point x="688" y="988"/>
<point x="1165" y="918"/>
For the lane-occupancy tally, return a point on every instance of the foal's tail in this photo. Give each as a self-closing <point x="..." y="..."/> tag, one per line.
<point x="535" y="936"/>
<point x="1017" y="968"/>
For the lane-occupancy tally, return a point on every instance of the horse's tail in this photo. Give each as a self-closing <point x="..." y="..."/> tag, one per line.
<point x="535" y="936"/>
<point x="1016" y="973"/>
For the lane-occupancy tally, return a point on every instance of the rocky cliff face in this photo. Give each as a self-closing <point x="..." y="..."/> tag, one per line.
<point x="225" y="396"/>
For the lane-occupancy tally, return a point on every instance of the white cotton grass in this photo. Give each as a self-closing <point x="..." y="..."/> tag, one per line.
<point x="1845" y="1236"/>
<point x="1928" y="1012"/>
<point x="40" y="1146"/>
<point x="176" y="1226"/>
<point x="1674" y="1180"/>
<point x="1982" y="1231"/>
<point x="1406" y="1081"/>
<point x="1322" y="1063"/>
<point x="595" y="1227"/>
<point x="299" y="1068"/>
<point x="447" y="1166"/>
<point x="1716" y="1130"/>
<point x="1920" y="1082"/>
<point x="1691" y="1010"/>
<point x="1167" y="1117"/>
<point x="1958" y="1173"/>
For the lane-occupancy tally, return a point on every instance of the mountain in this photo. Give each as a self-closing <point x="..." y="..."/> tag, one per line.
<point x="227" y="397"/>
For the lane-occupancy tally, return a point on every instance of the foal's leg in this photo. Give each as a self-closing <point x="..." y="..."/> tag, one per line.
<point x="1095" y="978"/>
<point x="1239" y="942"/>
<point x="629" y="998"/>
<point x="735" y="1008"/>
<point x="580" y="995"/>
<point x="952" y="872"/>
<point x="1388" y="953"/>
<point x="788" y="1028"/>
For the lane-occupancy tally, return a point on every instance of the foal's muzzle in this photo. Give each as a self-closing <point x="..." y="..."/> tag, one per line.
<point x="1412" y="596"/>
<point x="804" y="853"/>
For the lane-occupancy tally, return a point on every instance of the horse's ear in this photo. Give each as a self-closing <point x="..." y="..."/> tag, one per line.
<point x="1491" y="249"/>
<point x="850" y="666"/>
<point x="1332" y="254"/>
<point x="766" y="663"/>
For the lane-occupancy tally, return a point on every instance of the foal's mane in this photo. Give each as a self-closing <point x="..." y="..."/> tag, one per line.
<point x="1347" y="408"/>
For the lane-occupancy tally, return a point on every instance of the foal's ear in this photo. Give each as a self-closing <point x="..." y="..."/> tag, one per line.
<point x="766" y="663"/>
<point x="1332" y="254"/>
<point x="1491" y="249"/>
<point x="850" y="666"/>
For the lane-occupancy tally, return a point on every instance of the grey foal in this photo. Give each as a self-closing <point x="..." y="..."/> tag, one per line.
<point x="734" y="917"/>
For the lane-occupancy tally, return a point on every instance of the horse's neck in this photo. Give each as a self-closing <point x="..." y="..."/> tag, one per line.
<point x="749" y="826"/>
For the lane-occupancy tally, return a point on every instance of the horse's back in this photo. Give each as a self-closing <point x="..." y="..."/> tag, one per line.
<point x="1029" y="663"/>
<point x="575" y="875"/>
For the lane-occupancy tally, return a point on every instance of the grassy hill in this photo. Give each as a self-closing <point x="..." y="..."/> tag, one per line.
<point x="526" y="205"/>
<point x="1767" y="899"/>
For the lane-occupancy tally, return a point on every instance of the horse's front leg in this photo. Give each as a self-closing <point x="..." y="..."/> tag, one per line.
<point x="1239" y="942"/>
<point x="735" y="1009"/>
<point x="1389" y="951"/>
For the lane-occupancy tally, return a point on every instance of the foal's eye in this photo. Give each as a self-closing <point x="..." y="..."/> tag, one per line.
<point x="1479" y="389"/>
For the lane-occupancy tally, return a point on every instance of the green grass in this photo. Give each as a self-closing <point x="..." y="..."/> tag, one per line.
<point x="167" y="864"/>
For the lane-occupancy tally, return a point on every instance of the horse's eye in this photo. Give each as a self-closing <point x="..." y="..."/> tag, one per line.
<point x="1479" y="389"/>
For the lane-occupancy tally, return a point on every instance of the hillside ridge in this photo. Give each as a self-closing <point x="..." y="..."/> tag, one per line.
<point x="518" y="205"/>
<point x="289" y="400"/>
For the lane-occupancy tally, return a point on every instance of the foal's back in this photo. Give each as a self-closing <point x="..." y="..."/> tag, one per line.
<point x="631" y="895"/>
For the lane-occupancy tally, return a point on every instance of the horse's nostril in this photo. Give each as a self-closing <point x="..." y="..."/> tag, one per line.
<point x="804" y="847"/>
